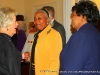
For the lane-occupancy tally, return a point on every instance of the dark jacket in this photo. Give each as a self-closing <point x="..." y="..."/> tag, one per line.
<point x="10" y="57"/>
<point x="82" y="52"/>
<point x="21" y="38"/>
<point x="60" y="28"/>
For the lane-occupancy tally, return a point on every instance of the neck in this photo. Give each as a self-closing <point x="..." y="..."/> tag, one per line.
<point x="81" y="25"/>
<point x="5" y="31"/>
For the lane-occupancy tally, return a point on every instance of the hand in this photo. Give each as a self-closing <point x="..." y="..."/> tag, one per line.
<point x="33" y="66"/>
<point x="26" y="56"/>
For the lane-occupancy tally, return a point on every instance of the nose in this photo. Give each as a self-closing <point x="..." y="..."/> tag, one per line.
<point x="16" y="23"/>
<point x="35" y="22"/>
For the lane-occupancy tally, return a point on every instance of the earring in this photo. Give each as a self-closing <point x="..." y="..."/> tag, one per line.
<point x="82" y="20"/>
<point x="7" y="28"/>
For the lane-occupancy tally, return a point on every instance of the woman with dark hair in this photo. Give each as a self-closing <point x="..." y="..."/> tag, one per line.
<point x="81" y="55"/>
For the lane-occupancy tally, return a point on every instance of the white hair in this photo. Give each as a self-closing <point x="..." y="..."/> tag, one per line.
<point x="6" y="14"/>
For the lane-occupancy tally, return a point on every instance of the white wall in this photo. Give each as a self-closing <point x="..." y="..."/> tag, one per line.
<point x="67" y="5"/>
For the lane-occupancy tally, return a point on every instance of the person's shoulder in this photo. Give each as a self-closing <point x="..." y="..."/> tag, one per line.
<point x="21" y="32"/>
<point x="54" y="34"/>
<point x="57" y="23"/>
<point x="51" y="31"/>
<point x="54" y="31"/>
<point x="78" y="34"/>
<point x="4" y="37"/>
<point x="5" y="41"/>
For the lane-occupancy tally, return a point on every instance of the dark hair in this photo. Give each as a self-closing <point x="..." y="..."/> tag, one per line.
<point x="49" y="9"/>
<point x="46" y="12"/>
<point x="88" y="9"/>
<point x="19" y="18"/>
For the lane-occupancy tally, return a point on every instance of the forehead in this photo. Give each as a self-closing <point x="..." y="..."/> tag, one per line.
<point x="40" y="14"/>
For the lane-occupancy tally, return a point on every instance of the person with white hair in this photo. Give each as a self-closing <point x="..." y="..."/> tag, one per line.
<point x="10" y="57"/>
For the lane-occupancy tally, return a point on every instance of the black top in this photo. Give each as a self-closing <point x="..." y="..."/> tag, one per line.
<point x="10" y="58"/>
<point x="60" y="28"/>
<point x="32" y="72"/>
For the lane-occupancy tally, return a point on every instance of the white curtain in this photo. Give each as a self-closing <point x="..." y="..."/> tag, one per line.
<point x="67" y="5"/>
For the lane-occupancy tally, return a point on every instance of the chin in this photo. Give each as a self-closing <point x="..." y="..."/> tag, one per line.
<point x="39" y="28"/>
<point x="73" y="26"/>
<point x="13" y="34"/>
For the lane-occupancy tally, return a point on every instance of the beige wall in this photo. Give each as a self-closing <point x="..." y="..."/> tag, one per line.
<point x="18" y="5"/>
<point x="98" y="3"/>
<point x="29" y="7"/>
